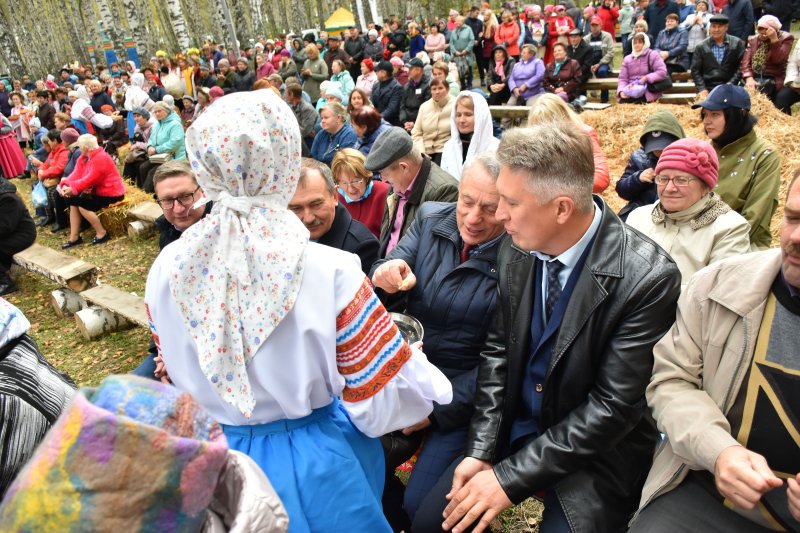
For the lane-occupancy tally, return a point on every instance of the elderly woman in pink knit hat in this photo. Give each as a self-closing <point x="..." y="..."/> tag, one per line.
<point x="689" y="220"/>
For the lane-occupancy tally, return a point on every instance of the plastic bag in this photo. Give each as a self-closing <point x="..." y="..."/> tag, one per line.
<point x="39" y="195"/>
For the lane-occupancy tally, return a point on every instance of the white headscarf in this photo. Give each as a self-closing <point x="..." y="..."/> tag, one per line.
<point x="237" y="272"/>
<point x="645" y="47"/>
<point x="482" y="137"/>
<point x="135" y="96"/>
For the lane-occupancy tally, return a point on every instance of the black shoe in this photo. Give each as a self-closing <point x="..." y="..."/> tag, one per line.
<point x="8" y="288"/>
<point x="57" y="227"/>
<point x="101" y="240"/>
<point x="70" y="244"/>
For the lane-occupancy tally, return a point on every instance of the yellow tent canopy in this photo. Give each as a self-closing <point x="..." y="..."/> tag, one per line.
<point x="341" y="19"/>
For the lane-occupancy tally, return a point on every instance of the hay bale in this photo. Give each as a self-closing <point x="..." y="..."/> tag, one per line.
<point x="115" y="217"/>
<point x="620" y="127"/>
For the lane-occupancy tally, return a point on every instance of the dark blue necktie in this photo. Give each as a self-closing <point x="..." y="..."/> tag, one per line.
<point x="553" y="286"/>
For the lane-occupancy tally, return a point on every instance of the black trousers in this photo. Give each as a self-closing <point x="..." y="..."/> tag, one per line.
<point x="786" y="98"/>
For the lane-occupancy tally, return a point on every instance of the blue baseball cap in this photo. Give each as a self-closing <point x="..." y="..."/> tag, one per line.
<point x="724" y="97"/>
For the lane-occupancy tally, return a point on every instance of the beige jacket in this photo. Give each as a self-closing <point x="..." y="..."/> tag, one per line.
<point x="432" y="127"/>
<point x="700" y="365"/>
<point x="244" y="500"/>
<point x="693" y="249"/>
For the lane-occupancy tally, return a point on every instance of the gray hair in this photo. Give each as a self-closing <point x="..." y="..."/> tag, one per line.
<point x="557" y="159"/>
<point x="530" y="48"/>
<point x="87" y="142"/>
<point x="487" y="161"/>
<point x="306" y="164"/>
<point x="336" y="109"/>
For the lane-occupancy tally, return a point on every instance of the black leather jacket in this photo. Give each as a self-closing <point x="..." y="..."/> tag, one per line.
<point x="707" y="73"/>
<point x="597" y="439"/>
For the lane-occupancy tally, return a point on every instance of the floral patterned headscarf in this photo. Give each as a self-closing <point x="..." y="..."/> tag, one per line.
<point x="237" y="272"/>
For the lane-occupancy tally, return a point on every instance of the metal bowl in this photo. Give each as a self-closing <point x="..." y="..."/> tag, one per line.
<point x="410" y="328"/>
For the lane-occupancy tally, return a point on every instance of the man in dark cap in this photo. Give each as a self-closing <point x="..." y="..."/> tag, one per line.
<point x="206" y="77"/>
<point x="387" y="93"/>
<point x="414" y="178"/>
<point x="415" y="93"/>
<point x="716" y="60"/>
<point x="580" y="52"/>
<point x="335" y="52"/>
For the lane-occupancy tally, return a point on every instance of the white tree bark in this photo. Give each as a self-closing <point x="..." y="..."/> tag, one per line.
<point x="178" y="24"/>
<point x="12" y="58"/>
<point x="256" y="13"/>
<point x="361" y="20"/>
<point x="135" y="30"/>
<point x="66" y="302"/>
<point x="373" y="8"/>
<point x="94" y="322"/>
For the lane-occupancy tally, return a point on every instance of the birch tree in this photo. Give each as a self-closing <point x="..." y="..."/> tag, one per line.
<point x="8" y="45"/>
<point x="256" y="13"/>
<point x="178" y="24"/>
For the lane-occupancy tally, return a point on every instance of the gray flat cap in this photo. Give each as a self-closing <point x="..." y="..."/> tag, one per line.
<point x="390" y="146"/>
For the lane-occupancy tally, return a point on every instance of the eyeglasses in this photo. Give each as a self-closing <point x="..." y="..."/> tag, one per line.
<point x="186" y="200"/>
<point x="353" y="183"/>
<point x="678" y="181"/>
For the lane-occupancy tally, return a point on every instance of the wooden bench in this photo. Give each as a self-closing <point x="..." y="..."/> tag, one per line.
<point x="66" y="270"/>
<point x="610" y="84"/>
<point x="112" y="309"/>
<point x="144" y="216"/>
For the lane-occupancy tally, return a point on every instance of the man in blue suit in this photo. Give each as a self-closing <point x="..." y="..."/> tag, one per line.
<point x="560" y="411"/>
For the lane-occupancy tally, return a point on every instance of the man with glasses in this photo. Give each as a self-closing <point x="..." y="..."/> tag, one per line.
<point x="176" y="191"/>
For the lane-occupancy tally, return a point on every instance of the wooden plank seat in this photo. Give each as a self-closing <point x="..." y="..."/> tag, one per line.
<point x="144" y="216"/>
<point x="122" y="303"/>
<point x="112" y="310"/>
<point x="678" y="98"/>
<point x="610" y="84"/>
<point x="66" y="270"/>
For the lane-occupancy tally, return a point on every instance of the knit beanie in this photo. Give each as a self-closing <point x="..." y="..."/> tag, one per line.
<point x="70" y="136"/>
<point x="368" y="63"/>
<point x="693" y="156"/>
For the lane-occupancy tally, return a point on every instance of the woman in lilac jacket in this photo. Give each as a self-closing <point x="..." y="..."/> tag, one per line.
<point x="525" y="81"/>
<point x="644" y="66"/>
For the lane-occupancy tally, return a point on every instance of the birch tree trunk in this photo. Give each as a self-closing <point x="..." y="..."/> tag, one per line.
<point x="12" y="57"/>
<point x="256" y="13"/>
<point x="373" y="9"/>
<point x="285" y="17"/>
<point x="361" y="20"/>
<point x="178" y="24"/>
<point x="243" y="29"/>
<point x="321" y="14"/>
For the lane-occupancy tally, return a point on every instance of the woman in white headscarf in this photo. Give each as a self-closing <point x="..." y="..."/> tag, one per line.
<point x="282" y="339"/>
<point x="471" y="132"/>
<point x="82" y="113"/>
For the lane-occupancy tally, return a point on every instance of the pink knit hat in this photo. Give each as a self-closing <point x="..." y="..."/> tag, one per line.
<point x="693" y="156"/>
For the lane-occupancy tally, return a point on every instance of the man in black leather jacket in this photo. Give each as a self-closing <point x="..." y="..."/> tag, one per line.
<point x="560" y="410"/>
<point x="707" y="72"/>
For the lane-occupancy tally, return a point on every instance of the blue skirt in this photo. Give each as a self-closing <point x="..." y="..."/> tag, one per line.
<point x="328" y="474"/>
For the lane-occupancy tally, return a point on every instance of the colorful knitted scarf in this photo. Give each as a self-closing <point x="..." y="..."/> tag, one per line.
<point x="132" y="455"/>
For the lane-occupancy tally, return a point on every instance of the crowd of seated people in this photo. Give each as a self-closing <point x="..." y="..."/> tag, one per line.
<point x="455" y="221"/>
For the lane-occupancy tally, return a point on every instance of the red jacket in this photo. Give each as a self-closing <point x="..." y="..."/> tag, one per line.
<point x="96" y="170"/>
<point x="609" y="18"/>
<point x="53" y="166"/>
<point x="369" y="211"/>
<point x="508" y="35"/>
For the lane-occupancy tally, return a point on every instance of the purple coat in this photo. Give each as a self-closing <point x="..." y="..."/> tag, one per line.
<point x="530" y="74"/>
<point x="648" y="64"/>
